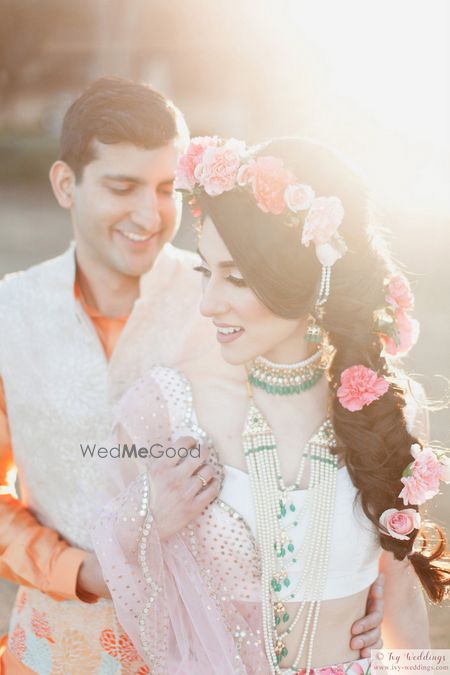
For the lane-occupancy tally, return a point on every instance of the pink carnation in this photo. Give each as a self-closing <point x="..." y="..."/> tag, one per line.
<point x="407" y="334"/>
<point x="217" y="171"/>
<point x="399" y="293"/>
<point x="187" y="163"/>
<point x="298" y="197"/>
<point x="428" y="468"/>
<point x="400" y="523"/>
<point x="445" y="468"/>
<point x="415" y="491"/>
<point x="360" y="386"/>
<point x="323" y="220"/>
<point x="269" y="180"/>
<point x="425" y="472"/>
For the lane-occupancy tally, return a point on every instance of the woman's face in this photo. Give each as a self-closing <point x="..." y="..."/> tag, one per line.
<point x="245" y="327"/>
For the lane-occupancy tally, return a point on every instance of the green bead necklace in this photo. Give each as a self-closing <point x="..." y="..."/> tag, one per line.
<point x="286" y="379"/>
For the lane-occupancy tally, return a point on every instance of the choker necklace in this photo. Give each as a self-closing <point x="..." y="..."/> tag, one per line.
<point x="285" y="379"/>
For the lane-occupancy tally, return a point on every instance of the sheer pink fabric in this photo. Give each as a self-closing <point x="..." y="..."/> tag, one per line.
<point x="190" y="603"/>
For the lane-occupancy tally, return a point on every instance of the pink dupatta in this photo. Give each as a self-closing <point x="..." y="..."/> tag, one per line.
<point x="190" y="603"/>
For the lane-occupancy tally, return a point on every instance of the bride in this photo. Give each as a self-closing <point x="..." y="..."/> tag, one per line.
<point x="304" y="443"/>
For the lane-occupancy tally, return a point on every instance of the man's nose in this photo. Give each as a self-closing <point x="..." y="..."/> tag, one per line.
<point x="146" y="213"/>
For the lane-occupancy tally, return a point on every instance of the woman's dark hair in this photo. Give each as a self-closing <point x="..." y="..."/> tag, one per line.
<point x="375" y="442"/>
<point x="116" y="110"/>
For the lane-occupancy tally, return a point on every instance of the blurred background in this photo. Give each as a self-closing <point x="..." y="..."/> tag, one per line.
<point x="370" y="78"/>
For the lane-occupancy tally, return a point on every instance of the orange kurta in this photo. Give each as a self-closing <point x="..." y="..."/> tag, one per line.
<point x="31" y="554"/>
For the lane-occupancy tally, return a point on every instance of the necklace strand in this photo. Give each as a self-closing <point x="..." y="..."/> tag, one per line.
<point x="272" y="501"/>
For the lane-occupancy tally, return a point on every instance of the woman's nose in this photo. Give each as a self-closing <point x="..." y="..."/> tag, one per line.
<point x="213" y="303"/>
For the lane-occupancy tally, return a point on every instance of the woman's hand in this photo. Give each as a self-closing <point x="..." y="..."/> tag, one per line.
<point x="177" y="495"/>
<point x="367" y="631"/>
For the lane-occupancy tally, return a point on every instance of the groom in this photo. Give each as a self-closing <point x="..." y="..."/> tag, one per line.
<point x="78" y="330"/>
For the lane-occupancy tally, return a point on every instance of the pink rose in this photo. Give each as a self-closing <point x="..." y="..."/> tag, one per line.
<point x="298" y="197"/>
<point x="360" y="386"/>
<point x="217" y="171"/>
<point x="400" y="523"/>
<point x="269" y="180"/>
<point x="323" y="220"/>
<point x="399" y="293"/>
<point x="187" y="163"/>
<point x="407" y="334"/>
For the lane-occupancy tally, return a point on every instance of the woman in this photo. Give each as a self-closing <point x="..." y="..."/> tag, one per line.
<point x="312" y="436"/>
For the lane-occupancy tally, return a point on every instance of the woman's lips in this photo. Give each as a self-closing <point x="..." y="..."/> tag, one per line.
<point x="228" y="333"/>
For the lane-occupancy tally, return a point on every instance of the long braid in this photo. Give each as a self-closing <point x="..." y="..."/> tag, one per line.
<point x="376" y="441"/>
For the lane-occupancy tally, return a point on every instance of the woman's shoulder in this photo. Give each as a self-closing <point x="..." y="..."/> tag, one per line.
<point x="162" y="393"/>
<point x="157" y="383"/>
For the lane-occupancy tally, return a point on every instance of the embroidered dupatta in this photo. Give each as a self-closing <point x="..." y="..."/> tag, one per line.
<point x="190" y="603"/>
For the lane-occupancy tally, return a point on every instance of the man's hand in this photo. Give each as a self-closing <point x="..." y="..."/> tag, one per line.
<point x="90" y="579"/>
<point x="368" y="629"/>
<point x="177" y="494"/>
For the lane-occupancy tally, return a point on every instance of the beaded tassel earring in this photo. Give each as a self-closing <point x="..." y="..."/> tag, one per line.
<point x="314" y="332"/>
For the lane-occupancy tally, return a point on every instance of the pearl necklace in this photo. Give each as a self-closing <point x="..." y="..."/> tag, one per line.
<point x="285" y="379"/>
<point x="271" y="500"/>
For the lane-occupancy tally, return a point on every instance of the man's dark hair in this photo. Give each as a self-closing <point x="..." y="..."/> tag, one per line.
<point x="116" y="110"/>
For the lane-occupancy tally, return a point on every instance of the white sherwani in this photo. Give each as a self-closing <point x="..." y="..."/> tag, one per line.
<point x="60" y="390"/>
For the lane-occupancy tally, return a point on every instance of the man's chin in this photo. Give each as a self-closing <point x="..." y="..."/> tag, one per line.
<point x="137" y="265"/>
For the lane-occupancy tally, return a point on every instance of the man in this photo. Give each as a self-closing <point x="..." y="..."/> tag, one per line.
<point x="77" y="331"/>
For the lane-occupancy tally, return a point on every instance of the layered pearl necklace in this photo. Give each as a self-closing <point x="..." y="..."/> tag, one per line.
<point x="285" y="379"/>
<point x="272" y="502"/>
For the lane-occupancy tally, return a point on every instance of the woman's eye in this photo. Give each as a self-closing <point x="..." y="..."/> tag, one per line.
<point x="237" y="281"/>
<point x="202" y="270"/>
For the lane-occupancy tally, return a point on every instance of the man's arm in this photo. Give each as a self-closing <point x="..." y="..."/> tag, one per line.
<point x="31" y="554"/>
<point x="405" y="623"/>
<point x="367" y="631"/>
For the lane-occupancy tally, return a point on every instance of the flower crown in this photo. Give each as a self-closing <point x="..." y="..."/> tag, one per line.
<point x="216" y="165"/>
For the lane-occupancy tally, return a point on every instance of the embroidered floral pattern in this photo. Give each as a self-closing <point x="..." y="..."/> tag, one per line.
<point x="21" y="601"/>
<point x="17" y="642"/>
<point x="50" y="637"/>
<point x="72" y="655"/>
<point x="124" y="651"/>
<point x="359" y="667"/>
<point x="39" y="625"/>
<point x="108" y="642"/>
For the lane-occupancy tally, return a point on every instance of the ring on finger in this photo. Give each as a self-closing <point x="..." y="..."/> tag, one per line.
<point x="204" y="481"/>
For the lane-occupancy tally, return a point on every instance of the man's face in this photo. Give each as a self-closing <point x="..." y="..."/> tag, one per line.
<point x="124" y="208"/>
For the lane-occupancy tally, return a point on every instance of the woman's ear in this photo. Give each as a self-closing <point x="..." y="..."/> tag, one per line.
<point x="62" y="180"/>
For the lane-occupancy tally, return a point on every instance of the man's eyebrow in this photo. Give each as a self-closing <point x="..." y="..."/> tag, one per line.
<point x="224" y="263"/>
<point x="123" y="178"/>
